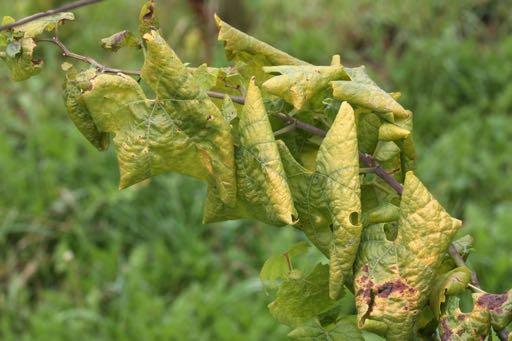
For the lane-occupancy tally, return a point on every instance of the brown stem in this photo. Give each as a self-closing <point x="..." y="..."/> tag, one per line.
<point x="67" y="53"/>
<point x="459" y="261"/>
<point x="40" y="15"/>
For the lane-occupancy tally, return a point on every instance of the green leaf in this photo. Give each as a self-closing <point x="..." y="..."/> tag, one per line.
<point x="456" y="325"/>
<point x="78" y="112"/>
<point x="328" y="199"/>
<point x="279" y="266"/>
<point x="301" y="299"/>
<point x="368" y="125"/>
<point x="343" y="330"/>
<point x="119" y="40"/>
<point x="450" y="283"/>
<point x="299" y="84"/>
<point x="49" y="23"/>
<point x="22" y="65"/>
<point x="263" y="192"/>
<point x="193" y="114"/>
<point x="394" y="277"/>
<point x="498" y="305"/>
<point x="384" y="213"/>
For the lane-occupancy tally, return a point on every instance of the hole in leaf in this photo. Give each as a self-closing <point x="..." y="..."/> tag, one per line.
<point x="331" y="227"/>
<point x="466" y="302"/>
<point x="391" y="231"/>
<point x="354" y="218"/>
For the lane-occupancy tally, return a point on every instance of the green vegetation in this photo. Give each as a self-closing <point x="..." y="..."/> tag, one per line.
<point x="82" y="259"/>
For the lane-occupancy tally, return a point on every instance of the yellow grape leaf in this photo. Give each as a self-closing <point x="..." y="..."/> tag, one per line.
<point x="394" y="277"/>
<point x="263" y="192"/>
<point x="243" y="47"/>
<point x="148" y="140"/>
<point x="499" y="307"/>
<point x="22" y="64"/>
<point x="298" y="84"/>
<point x="78" y="112"/>
<point x="456" y="325"/>
<point x="328" y="199"/>
<point x="34" y="28"/>
<point x="363" y="91"/>
<point x="451" y="283"/>
<point x="193" y="113"/>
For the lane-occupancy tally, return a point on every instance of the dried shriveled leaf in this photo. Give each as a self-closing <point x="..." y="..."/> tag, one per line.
<point x="450" y="283"/>
<point x="148" y="20"/>
<point x="263" y="192"/>
<point x="78" y="112"/>
<point x="498" y="305"/>
<point x="119" y="40"/>
<point x="192" y="112"/>
<point x="299" y="84"/>
<point x="49" y="23"/>
<point x="22" y="64"/>
<point x="343" y="330"/>
<point x="393" y="278"/>
<point x="328" y="199"/>
<point x="456" y="325"/>
<point x="302" y="299"/>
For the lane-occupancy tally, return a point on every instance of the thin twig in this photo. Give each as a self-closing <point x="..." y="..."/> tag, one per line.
<point x="67" y="53"/>
<point x="459" y="261"/>
<point x="40" y="15"/>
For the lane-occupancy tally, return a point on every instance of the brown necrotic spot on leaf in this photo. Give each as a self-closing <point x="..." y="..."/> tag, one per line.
<point x="493" y="302"/>
<point x="446" y="332"/>
<point x="397" y="286"/>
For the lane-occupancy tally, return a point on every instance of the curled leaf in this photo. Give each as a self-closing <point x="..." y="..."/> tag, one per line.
<point x="450" y="283"/>
<point x="393" y="278"/>
<point x="148" y="20"/>
<point x="456" y="325"/>
<point x="78" y="112"/>
<point x="242" y="47"/>
<point x="192" y="112"/>
<point x="498" y="305"/>
<point x="263" y="192"/>
<point x="328" y="199"/>
<point x="392" y="132"/>
<point x="298" y="84"/>
<point x="22" y="65"/>
<point x="34" y="28"/>
<point x="119" y="40"/>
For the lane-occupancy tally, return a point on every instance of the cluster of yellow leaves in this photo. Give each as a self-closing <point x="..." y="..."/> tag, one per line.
<point x="389" y="250"/>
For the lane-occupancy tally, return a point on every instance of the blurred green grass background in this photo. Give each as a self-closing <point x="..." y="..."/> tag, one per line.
<point x="81" y="260"/>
